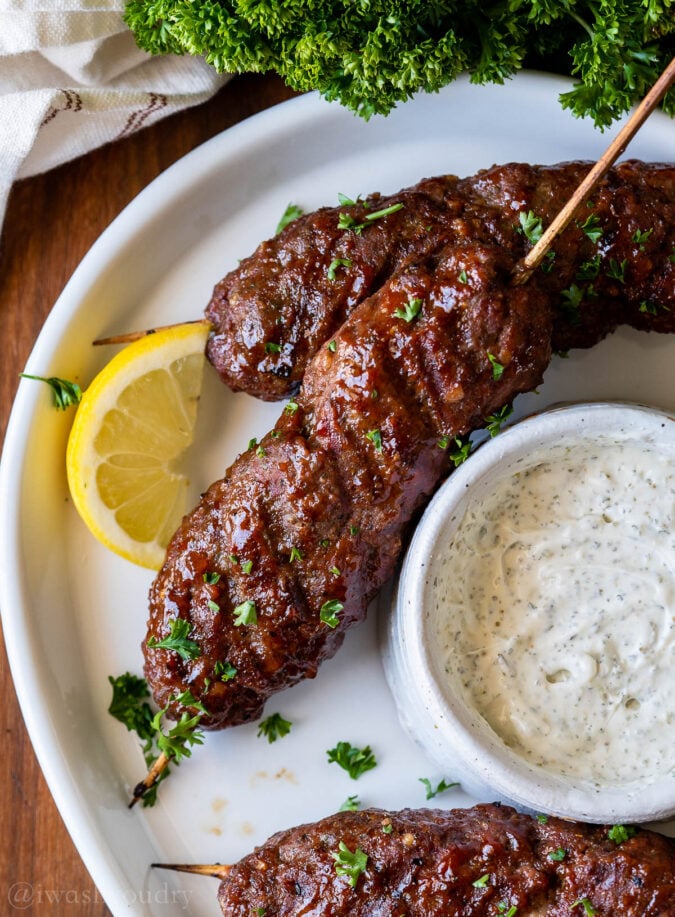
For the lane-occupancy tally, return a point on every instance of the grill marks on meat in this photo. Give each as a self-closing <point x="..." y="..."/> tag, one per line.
<point x="424" y="863"/>
<point x="320" y="509"/>
<point x="339" y="479"/>
<point x="283" y="295"/>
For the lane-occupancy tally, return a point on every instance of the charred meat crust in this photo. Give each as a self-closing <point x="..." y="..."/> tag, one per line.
<point x="285" y="296"/>
<point x="314" y="517"/>
<point x="473" y="862"/>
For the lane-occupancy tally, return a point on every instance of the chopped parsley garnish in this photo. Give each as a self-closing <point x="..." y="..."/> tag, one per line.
<point x="128" y="704"/>
<point x="375" y="436"/>
<point x="621" y="833"/>
<point x="330" y="611"/>
<point x="542" y="819"/>
<point x="178" y="640"/>
<point x="246" y="566"/>
<point x="530" y="226"/>
<point x="652" y="308"/>
<point x="225" y="671"/>
<point x="587" y="906"/>
<point x="292" y="212"/>
<point x="482" y="882"/>
<point x="346" y="221"/>
<point x="211" y="578"/>
<point x="497" y="367"/>
<point x="349" y="864"/>
<point x="463" y="278"/>
<point x="332" y="346"/>
<point x="548" y="262"/>
<point x="410" y="311"/>
<point x="335" y="571"/>
<point x="571" y="300"/>
<point x="591" y="228"/>
<point x="354" y="530"/>
<point x="245" y="613"/>
<point x="441" y="788"/>
<point x="387" y="828"/>
<point x="351" y="804"/>
<point x="65" y="394"/>
<point x="640" y="237"/>
<point x="213" y="606"/>
<point x="558" y="855"/>
<point x="295" y="554"/>
<point x="335" y="264"/>
<point x="617" y="269"/>
<point x="589" y="270"/>
<point x="462" y="452"/>
<point x="261" y="452"/>
<point x="503" y="908"/>
<point x="494" y="422"/>
<point x="253" y="442"/>
<point x="274" y="727"/>
<point x="291" y="407"/>
<point x="356" y="761"/>
<point x="178" y="741"/>
<point x="272" y="347"/>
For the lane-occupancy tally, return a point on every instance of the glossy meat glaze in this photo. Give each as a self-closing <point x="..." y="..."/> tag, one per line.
<point x="306" y="527"/>
<point x="285" y="295"/>
<point x="478" y="862"/>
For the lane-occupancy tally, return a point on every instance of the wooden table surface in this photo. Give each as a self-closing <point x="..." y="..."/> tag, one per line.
<point x="52" y="220"/>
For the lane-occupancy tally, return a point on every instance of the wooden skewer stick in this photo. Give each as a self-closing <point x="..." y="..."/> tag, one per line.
<point x="130" y="336"/>
<point x="150" y="779"/>
<point x="533" y="259"/>
<point x="216" y="870"/>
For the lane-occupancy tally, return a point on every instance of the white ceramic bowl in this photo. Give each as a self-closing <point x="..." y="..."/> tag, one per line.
<point x="432" y="710"/>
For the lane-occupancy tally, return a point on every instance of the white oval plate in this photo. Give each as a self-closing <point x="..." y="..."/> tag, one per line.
<point x="74" y="613"/>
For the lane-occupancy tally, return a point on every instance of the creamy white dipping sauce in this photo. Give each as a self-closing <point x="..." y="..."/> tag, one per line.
<point x="556" y="611"/>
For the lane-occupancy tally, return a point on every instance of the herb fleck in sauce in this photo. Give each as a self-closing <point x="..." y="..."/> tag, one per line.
<point x="557" y="611"/>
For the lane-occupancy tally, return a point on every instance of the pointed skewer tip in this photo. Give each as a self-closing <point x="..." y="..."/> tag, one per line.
<point x="216" y="870"/>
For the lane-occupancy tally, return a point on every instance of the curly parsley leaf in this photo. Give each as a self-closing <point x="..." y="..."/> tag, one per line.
<point x="329" y="612"/>
<point x="291" y="213"/>
<point x="128" y="704"/>
<point x="245" y="613"/>
<point x="621" y="833"/>
<point x="440" y="788"/>
<point x="356" y="761"/>
<point x="65" y="394"/>
<point x="349" y="864"/>
<point x="494" y="422"/>
<point x="530" y="226"/>
<point x="371" y="56"/>
<point x="274" y="727"/>
<point x="178" y="640"/>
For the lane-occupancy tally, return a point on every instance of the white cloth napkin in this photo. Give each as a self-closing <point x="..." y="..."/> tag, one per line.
<point x="72" y="78"/>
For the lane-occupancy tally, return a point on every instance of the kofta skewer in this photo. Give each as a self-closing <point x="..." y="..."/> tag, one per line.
<point x="484" y="860"/>
<point x="284" y="554"/>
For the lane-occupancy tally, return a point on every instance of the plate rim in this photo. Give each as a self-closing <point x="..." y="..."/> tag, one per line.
<point x="97" y="854"/>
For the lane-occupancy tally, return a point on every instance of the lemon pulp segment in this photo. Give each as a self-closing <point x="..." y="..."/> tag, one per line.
<point x="134" y="423"/>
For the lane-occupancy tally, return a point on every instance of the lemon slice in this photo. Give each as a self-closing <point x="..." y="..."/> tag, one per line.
<point x="134" y="422"/>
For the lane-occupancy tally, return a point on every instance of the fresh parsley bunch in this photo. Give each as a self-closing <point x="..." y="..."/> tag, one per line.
<point x="371" y="54"/>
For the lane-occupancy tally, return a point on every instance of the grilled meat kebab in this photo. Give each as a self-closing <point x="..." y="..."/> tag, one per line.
<point x="272" y="313"/>
<point x="479" y="862"/>
<point x="284" y="554"/>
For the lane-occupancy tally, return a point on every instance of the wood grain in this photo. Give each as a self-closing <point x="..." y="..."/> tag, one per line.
<point x="52" y="220"/>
